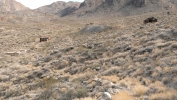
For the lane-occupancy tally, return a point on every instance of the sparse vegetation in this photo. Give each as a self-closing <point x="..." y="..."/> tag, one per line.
<point x="140" y="90"/>
<point x="169" y="95"/>
<point x="48" y="82"/>
<point x="78" y="92"/>
<point x="12" y="92"/>
<point x="123" y="95"/>
<point x="129" y="61"/>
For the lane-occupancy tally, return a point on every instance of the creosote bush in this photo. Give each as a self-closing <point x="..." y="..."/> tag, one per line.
<point x="48" y="82"/>
<point x="78" y="92"/>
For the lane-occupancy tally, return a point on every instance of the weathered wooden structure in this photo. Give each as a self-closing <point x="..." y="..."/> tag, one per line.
<point x="44" y="39"/>
<point x="150" y="20"/>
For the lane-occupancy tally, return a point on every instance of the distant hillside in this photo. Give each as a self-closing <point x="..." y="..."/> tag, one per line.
<point x="60" y="8"/>
<point x="123" y="7"/>
<point x="11" y="6"/>
<point x="107" y="7"/>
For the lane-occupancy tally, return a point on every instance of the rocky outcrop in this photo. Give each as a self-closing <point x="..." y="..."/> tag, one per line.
<point x="11" y="6"/>
<point x="67" y="11"/>
<point x="123" y="7"/>
<point x="91" y="3"/>
<point x="138" y="3"/>
<point x="94" y="3"/>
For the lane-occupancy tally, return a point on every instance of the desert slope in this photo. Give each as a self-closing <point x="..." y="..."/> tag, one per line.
<point x="128" y="60"/>
<point x="105" y="55"/>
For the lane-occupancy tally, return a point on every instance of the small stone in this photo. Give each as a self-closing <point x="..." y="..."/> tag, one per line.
<point x="105" y="96"/>
<point x="110" y="90"/>
<point x="141" y="27"/>
<point x="97" y="68"/>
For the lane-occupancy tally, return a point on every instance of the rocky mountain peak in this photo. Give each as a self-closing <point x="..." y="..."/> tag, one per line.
<point x="60" y="8"/>
<point x="11" y="5"/>
<point x="93" y="3"/>
<point x="124" y="7"/>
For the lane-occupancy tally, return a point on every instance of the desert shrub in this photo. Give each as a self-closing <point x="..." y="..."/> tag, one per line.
<point x="45" y="95"/>
<point x="64" y="79"/>
<point x="158" y="86"/>
<point x="140" y="90"/>
<point x="112" y="78"/>
<point x="47" y="82"/>
<point x="169" y="95"/>
<point x="47" y="59"/>
<point x="111" y="71"/>
<point x="12" y="93"/>
<point x="83" y="76"/>
<point x="79" y="92"/>
<point x="87" y="98"/>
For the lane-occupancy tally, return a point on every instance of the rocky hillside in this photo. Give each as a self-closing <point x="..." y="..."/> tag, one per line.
<point x="11" y="6"/>
<point x="108" y="7"/>
<point x="60" y="8"/>
<point x="96" y="59"/>
<point x="123" y="7"/>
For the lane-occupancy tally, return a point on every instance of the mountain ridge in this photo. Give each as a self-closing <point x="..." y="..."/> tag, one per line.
<point x="11" y="6"/>
<point x="107" y="7"/>
<point x="123" y="7"/>
<point x="59" y="8"/>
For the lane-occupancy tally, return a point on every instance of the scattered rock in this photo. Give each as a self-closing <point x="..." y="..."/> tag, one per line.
<point x="142" y="27"/>
<point x="13" y="53"/>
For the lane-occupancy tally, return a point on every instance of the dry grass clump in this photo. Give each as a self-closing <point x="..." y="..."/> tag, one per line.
<point x="174" y="79"/>
<point x="134" y="85"/>
<point x="174" y="61"/>
<point x="154" y="74"/>
<point x="159" y="86"/>
<point x="165" y="80"/>
<point x="111" y="71"/>
<point x="166" y="69"/>
<point x="4" y="78"/>
<point x="146" y="81"/>
<point x="87" y="98"/>
<point x="112" y="78"/>
<point x="140" y="90"/>
<point x="61" y="92"/>
<point x="45" y="95"/>
<point x="47" y="82"/>
<point x="169" y="95"/>
<point x="12" y="92"/>
<point x="129" y="81"/>
<point x="159" y="69"/>
<point x="78" y="92"/>
<point x="82" y="76"/>
<point x="123" y="95"/>
<point x="137" y="72"/>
